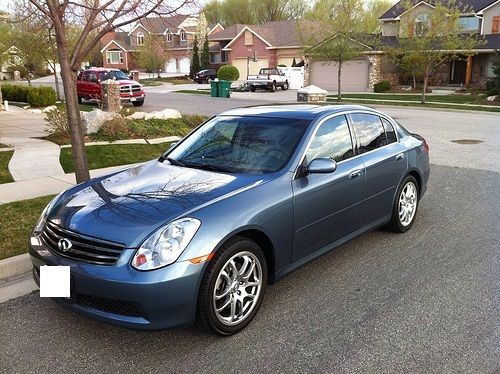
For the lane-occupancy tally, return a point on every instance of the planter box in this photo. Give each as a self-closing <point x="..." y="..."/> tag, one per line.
<point x="311" y="94"/>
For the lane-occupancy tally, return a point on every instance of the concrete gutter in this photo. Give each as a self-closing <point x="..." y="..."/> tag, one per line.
<point x="15" y="277"/>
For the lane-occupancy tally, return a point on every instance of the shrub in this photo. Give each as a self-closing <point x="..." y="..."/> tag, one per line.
<point x="492" y="87"/>
<point x="114" y="129"/>
<point x="228" y="73"/>
<point x="382" y="86"/>
<point x="15" y="92"/>
<point x="57" y="126"/>
<point x="41" y="96"/>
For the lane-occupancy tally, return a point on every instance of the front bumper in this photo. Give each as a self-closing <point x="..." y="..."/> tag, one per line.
<point x="121" y="295"/>
<point x="130" y="99"/>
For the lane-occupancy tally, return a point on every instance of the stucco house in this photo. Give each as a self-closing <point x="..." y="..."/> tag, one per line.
<point x="251" y="47"/>
<point x="480" y="16"/>
<point x="118" y="47"/>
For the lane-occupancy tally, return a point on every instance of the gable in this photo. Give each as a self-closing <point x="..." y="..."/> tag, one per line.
<point x="112" y="45"/>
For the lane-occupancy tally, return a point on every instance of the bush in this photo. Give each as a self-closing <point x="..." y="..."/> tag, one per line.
<point x="228" y="73"/>
<point x="41" y="96"/>
<point x="15" y="92"/>
<point x="114" y="129"/>
<point x="57" y="126"/>
<point x="492" y="87"/>
<point x="381" y="86"/>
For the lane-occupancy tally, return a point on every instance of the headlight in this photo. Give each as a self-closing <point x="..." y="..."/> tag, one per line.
<point x="165" y="245"/>
<point x="43" y="217"/>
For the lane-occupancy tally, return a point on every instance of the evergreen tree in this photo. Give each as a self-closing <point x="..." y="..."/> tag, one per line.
<point x="195" y="60"/>
<point x="205" y="56"/>
<point x="294" y="63"/>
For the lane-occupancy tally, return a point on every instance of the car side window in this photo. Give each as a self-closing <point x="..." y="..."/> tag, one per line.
<point x="332" y="140"/>
<point x="389" y="131"/>
<point x="86" y="76"/>
<point x="369" y="131"/>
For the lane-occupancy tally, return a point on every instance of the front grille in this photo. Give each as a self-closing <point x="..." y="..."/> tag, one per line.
<point x="83" y="248"/>
<point x="124" y="308"/>
<point x="130" y="88"/>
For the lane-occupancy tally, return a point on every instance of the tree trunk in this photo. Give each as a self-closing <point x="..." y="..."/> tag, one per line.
<point x="426" y="79"/>
<point x="56" y="80"/>
<point x="1" y="100"/>
<point x="74" y="122"/>
<point x="339" y="74"/>
<point x="414" y="82"/>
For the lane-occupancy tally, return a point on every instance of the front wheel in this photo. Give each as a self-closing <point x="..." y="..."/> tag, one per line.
<point x="233" y="287"/>
<point x="252" y="88"/>
<point x="285" y="86"/>
<point x="273" y="87"/>
<point x="138" y="103"/>
<point x="405" y="206"/>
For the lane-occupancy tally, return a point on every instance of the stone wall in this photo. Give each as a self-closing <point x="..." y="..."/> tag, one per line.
<point x="377" y="73"/>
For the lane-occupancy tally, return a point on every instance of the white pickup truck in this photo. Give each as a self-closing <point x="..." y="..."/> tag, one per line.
<point x="269" y="79"/>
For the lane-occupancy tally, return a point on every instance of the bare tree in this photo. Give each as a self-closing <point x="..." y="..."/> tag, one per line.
<point x="96" y="18"/>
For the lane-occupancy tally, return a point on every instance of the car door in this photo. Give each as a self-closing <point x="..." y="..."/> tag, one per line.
<point x="82" y="85"/>
<point x="326" y="205"/>
<point x="385" y="162"/>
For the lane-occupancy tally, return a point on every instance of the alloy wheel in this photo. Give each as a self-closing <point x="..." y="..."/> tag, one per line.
<point x="407" y="204"/>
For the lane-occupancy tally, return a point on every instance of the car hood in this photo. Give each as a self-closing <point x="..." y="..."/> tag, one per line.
<point x="126" y="82"/>
<point x="127" y="206"/>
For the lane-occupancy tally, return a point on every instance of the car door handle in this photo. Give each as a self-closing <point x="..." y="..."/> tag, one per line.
<point x="400" y="156"/>
<point x="355" y="174"/>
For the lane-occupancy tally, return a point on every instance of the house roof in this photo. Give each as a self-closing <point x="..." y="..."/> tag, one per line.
<point x="158" y="25"/>
<point x="491" y="42"/>
<point x="277" y="33"/>
<point x="465" y="5"/>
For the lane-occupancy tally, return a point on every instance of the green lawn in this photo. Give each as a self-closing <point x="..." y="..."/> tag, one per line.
<point x="16" y="222"/>
<point x="5" y="176"/>
<point x="194" y="92"/>
<point x="4" y="146"/>
<point x="83" y="107"/>
<point x="173" y="80"/>
<point x="101" y="156"/>
<point x="455" y="99"/>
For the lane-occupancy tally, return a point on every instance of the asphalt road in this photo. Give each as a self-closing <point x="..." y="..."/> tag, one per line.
<point x="427" y="301"/>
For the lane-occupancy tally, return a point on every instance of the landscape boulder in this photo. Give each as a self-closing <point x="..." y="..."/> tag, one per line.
<point x="92" y="121"/>
<point x="164" y="114"/>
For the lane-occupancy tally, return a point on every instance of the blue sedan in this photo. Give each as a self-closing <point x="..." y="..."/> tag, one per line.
<point x="244" y="199"/>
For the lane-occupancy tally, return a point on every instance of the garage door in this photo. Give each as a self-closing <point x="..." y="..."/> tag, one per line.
<point x="171" y="66"/>
<point x="254" y="67"/>
<point x="354" y="75"/>
<point x="184" y="65"/>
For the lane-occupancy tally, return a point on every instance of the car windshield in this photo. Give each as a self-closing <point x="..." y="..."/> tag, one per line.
<point x="117" y="75"/>
<point x="243" y="144"/>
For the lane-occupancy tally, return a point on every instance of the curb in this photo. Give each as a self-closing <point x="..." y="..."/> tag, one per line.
<point x="15" y="266"/>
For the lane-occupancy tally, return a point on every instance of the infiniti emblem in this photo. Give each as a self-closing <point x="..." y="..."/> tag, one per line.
<point x="64" y="245"/>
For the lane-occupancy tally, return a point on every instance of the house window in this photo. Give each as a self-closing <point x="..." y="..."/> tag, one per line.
<point x="169" y="36"/>
<point x="114" y="57"/>
<point x="183" y="35"/>
<point x="422" y="24"/>
<point x="468" y="23"/>
<point x="215" y="58"/>
<point x="140" y="38"/>
<point x="495" y="25"/>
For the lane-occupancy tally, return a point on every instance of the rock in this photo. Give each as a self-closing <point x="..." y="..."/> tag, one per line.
<point x="49" y="108"/>
<point x="491" y="98"/>
<point x="92" y="121"/>
<point x="164" y="114"/>
<point x="137" y="115"/>
<point x="37" y="111"/>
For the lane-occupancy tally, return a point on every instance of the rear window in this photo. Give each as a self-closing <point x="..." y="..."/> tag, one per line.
<point x="369" y="131"/>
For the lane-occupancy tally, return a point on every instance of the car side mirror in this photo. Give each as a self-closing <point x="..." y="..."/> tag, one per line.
<point x="321" y="166"/>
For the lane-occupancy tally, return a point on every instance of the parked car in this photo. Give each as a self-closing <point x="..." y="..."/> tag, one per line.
<point x="269" y="79"/>
<point x="205" y="76"/>
<point x="88" y="85"/>
<point x="247" y="197"/>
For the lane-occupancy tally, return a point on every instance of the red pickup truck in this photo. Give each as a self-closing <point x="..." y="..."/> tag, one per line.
<point x="88" y="85"/>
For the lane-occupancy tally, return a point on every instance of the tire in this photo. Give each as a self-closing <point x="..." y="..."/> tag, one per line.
<point x="225" y="321"/>
<point x="138" y="103"/>
<point x="285" y="86"/>
<point x="80" y="100"/>
<point x="398" y="223"/>
<point x="252" y="88"/>
<point x="273" y="87"/>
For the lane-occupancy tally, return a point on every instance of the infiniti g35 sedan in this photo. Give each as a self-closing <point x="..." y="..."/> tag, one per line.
<point x="245" y="198"/>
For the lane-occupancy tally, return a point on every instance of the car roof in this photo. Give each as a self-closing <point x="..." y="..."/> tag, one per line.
<point x="101" y="69"/>
<point x="297" y="111"/>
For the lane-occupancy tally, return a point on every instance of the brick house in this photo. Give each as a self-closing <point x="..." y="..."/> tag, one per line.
<point x="118" y="47"/>
<point x="251" y="47"/>
<point x="482" y="17"/>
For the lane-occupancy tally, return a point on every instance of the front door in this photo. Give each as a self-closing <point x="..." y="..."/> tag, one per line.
<point x="457" y="71"/>
<point x="326" y="205"/>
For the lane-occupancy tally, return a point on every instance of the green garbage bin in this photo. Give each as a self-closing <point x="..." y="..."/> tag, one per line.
<point x="224" y="88"/>
<point x="214" y="88"/>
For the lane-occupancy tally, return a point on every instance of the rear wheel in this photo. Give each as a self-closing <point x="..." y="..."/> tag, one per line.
<point x="405" y="206"/>
<point x="252" y="88"/>
<point x="233" y="287"/>
<point x="285" y="86"/>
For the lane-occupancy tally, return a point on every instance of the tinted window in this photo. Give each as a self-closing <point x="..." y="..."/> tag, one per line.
<point x="241" y="144"/>
<point x="369" y="130"/>
<point x="389" y="131"/>
<point x="86" y="76"/>
<point x="332" y="140"/>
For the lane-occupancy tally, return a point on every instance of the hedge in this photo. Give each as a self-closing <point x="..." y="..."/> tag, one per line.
<point x="382" y="86"/>
<point x="228" y="73"/>
<point x="41" y="96"/>
<point x="34" y="96"/>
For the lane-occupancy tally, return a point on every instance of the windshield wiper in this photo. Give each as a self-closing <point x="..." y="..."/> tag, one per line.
<point x="209" y="167"/>
<point x="175" y="162"/>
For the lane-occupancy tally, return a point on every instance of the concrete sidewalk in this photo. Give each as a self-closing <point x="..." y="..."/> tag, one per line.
<point x="43" y="186"/>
